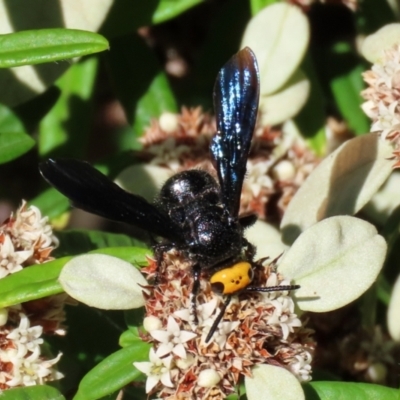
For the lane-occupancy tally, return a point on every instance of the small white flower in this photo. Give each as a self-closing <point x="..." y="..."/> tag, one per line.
<point x="168" y="152"/>
<point x="221" y="333"/>
<point x="185" y="363"/>
<point x="370" y="109"/>
<point x="33" y="371"/>
<point x="26" y="338"/>
<point x="283" y="315"/>
<point x="11" y="260"/>
<point x="301" y="366"/>
<point x="157" y="370"/>
<point x="172" y="339"/>
<point x="204" y="311"/>
<point x="387" y="119"/>
<point x="257" y="178"/>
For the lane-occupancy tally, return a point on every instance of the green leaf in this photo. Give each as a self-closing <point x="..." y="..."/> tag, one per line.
<point x="311" y="119"/>
<point x="126" y="16"/>
<point x="346" y="90"/>
<point x="137" y="256"/>
<point x="258" y="5"/>
<point x="141" y="85"/>
<point x="32" y="111"/>
<point x="134" y="320"/>
<point x="38" y="281"/>
<point x="32" y="283"/>
<point x="341" y="70"/>
<point x="80" y="241"/>
<point x="65" y="129"/>
<point x="348" y="390"/>
<point x="13" y="145"/>
<point x="383" y="290"/>
<point x="369" y="20"/>
<point x="130" y="336"/>
<point x="168" y="9"/>
<point x="47" y="45"/>
<point x="113" y="373"/>
<point x="14" y="141"/>
<point x="157" y="99"/>
<point x="40" y="392"/>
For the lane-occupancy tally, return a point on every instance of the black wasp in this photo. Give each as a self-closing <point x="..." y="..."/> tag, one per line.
<point x="193" y="213"/>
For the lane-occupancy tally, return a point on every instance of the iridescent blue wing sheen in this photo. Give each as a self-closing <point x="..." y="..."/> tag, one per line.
<point x="236" y="96"/>
<point x="90" y="190"/>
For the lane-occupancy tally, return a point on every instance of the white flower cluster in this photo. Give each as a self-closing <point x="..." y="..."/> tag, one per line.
<point x="30" y="229"/>
<point x="20" y="352"/>
<point x="25" y="238"/>
<point x="383" y="94"/>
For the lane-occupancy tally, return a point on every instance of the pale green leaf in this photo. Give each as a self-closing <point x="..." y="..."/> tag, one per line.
<point x="386" y="200"/>
<point x="374" y="45"/>
<point x="103" y="281"/>
<point x="341" y="185"/>
<point x="267" y="240"/>
<point x="132" y="178"/>
<point x="273" y="383"/>
<point x="279" y="36"/>
<point x="334" y="262"/>
<point x="285" y="104"/>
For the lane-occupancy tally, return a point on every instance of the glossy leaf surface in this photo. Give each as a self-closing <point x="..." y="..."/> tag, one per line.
<point x="47" y="45"/>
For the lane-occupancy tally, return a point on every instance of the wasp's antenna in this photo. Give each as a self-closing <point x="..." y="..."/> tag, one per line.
<point x="266" y="289"/>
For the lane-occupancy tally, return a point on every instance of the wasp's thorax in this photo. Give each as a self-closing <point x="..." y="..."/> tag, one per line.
<point x="192" y="200"/>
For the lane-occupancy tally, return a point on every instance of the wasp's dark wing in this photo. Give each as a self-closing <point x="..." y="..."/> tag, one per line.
<point x="90" y="190"/>
<point x="236" y="94"/>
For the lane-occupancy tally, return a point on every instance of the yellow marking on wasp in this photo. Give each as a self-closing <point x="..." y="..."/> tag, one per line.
<point x="233" y="278"/>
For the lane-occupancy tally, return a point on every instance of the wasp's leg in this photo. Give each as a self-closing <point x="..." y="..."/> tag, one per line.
<point x="247" y="220"/>
<point x="249" y="249"/>
<point x="218" y="319"/>
<point x="195" y="290"/>
<point x="159" y="250"/>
